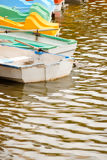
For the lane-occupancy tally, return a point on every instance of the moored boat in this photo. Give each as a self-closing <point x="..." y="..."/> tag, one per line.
<point x="59" y="4"/>
<point x="17" y="16"/>
<point x="33" y="21"/>
<point x="23" y="65"/>
<point x="24" y="5"/>
<point x="52" y="44"/>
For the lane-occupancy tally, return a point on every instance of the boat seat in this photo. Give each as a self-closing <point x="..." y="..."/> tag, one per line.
<point x="15" y="59"/>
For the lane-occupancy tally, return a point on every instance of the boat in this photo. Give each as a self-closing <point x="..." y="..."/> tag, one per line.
<point x="59" y="4"/>
<point x="31" y="56"/>
<point x="26" y="66"/>
<point x="17" y="16"/>
<point x="33" y="21"/>
<point x="41" y="10"/>
<point x="52" y="44"/>
<point x="24" y="5"/>
<point x="49" y="4"/>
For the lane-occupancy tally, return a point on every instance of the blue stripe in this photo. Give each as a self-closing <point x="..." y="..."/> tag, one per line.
<point x="6" y="65"/>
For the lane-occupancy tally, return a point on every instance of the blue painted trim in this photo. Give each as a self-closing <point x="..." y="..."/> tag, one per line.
<point x="10" y="66"/>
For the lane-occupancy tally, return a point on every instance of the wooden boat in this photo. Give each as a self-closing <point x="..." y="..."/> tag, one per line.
<point x="23" y="65"/>
<point x="52" y="44"/>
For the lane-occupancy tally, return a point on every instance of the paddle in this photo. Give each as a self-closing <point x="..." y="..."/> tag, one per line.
<point x="31" y="30"/>
<point x="41" y="51"/>
<point x="26" y="44"/>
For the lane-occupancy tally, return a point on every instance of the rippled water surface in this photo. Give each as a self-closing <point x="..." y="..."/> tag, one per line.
<point x="65" y="119"/>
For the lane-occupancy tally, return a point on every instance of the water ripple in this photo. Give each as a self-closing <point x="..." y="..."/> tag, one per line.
<point x="67" y="118"/>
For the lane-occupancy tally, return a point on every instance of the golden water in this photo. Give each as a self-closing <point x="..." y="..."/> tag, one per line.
<point x="65" y="119"/>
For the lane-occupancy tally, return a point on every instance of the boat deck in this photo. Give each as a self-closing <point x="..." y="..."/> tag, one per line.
<point x="10" y="41"/>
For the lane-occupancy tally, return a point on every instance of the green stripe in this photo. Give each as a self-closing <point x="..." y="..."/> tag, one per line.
<point x="68" y="41"/>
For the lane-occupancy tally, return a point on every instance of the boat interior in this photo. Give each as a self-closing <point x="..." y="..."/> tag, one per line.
<point x="12" y="56"/>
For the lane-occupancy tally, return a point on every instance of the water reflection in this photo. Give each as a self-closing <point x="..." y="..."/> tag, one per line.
<point x="43" y="88"/>
<point x="63" y="119"/>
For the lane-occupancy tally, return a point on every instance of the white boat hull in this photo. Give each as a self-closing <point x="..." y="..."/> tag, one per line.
<point x="36" y="73"/>
<point x="44" y="67"/>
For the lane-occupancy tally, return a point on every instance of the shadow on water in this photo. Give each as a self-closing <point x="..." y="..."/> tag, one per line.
<point x="77" y="2"/>
<point x="20" y="90"/>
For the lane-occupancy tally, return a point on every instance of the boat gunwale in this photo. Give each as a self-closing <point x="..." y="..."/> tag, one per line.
<point x="32" y="65"/>
<point x="68" y="41"/>
<point x="16" y="44"/>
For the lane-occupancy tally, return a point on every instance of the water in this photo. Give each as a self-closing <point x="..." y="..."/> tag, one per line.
<point x="64" y="119"/>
